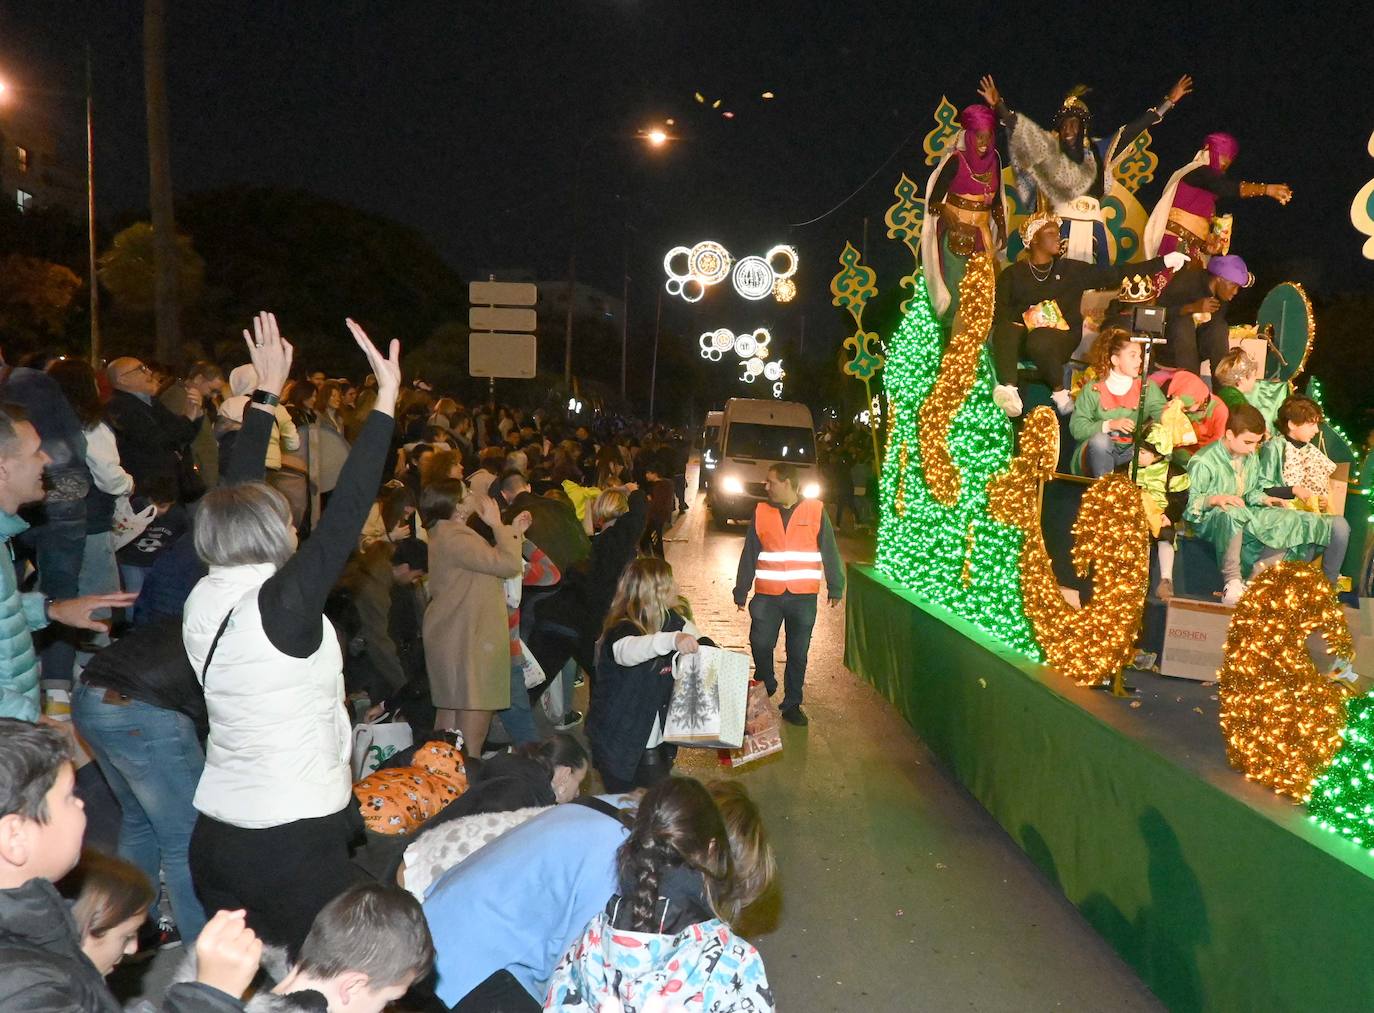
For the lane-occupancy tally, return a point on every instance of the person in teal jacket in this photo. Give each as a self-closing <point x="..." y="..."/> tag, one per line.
<point x="21" y="481"/>
<point x="1229" y="506"/>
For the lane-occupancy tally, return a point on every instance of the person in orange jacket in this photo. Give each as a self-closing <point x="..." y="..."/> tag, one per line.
<point x="789" y="547"/>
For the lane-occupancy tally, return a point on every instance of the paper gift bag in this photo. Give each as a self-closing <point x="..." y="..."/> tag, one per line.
<point x="762" y="730"/>
<point x="375" y="743"/>
<point x="710" y="699"/>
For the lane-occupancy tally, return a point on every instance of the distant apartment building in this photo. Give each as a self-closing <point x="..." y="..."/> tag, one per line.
<point x="33" y="173"/>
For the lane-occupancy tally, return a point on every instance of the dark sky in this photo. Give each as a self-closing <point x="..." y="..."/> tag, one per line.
<point x="464" y="118"/>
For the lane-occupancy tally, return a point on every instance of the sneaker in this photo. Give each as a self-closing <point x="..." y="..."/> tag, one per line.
<point x="1344" y="670"/>
<point x="1165" y="590"/>
<point x="770" y="687"/>
<point x="1008" y="398"/>
<point x="1063" y="401"/>
<point x="1234" y="589"/>
<point x="580" y="680"/>
<point x="795" y="716"/>
<point x="570" y="720"/>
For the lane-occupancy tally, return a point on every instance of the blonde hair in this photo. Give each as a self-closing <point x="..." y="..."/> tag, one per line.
<point x="110" y="891"/>
<point x="643" y="597"/>
<point x="755" y="865"/>
<point x="608" y="506"/>
<point x="1235" y="366"/>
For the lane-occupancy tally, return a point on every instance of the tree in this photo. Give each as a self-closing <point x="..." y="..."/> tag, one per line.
<point x="129" y="270"/>
<point x="35" y="298"/>
<point x="160" y="180"/>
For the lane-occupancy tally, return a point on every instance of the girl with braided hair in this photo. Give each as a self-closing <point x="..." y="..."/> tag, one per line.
<point x="664" y="942"/>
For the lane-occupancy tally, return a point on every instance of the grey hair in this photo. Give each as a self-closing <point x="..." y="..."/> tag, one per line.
<point x="249" y="522"/>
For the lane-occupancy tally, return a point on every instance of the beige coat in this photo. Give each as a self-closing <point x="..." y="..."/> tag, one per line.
<point x="467" y="636"/>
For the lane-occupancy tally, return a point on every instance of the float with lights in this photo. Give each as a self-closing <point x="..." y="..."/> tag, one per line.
<point x="991" y="618"/>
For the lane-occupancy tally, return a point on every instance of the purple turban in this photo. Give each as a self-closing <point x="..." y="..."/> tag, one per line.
<point x="977" y="117"/>
<point x="1219" y="145"/>
<point x="1231" y="268"/>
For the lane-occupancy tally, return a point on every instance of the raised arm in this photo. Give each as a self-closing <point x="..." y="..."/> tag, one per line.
<point x="292" y="600"/>
<point x="987" y="88"/>
<point x="271" y="355"/>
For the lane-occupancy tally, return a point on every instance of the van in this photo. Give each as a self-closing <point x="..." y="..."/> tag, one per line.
<point x="710" y="449"/>
<point x="756" y="434"/>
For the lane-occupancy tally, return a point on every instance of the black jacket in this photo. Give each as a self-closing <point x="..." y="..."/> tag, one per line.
<point x="150" y="438"/>
<point x="149" y="664"/>
<point x="625" y="700"/>
<point x="554" y="528"/>
<point x="584" y="595"/>
<point x="1065" y="281"/>
<point x="42" y="968"/>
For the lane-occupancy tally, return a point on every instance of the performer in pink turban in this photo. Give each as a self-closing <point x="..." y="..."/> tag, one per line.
<point x="965" y="191"/>
<point x="1185" y="217"/>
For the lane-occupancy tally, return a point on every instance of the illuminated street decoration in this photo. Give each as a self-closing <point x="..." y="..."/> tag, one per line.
<point x="751" y="349"/>
<point x="692" y="270"/>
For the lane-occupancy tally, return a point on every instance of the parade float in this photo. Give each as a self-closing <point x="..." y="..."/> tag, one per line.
<point x="1220" y="833"/>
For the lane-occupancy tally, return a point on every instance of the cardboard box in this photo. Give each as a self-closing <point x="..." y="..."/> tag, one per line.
<point x="1194" y="640"/>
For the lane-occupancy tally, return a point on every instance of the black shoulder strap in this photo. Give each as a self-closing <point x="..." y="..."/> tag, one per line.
<point x="205" y="669"/>
<point x="602" y="806"/>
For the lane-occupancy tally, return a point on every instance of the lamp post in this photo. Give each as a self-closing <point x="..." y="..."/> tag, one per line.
<point x="655" y="138"/>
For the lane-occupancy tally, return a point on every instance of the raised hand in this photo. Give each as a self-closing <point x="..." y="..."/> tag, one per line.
<point x="270" y="353"/>
<point x="522" y="521"/>
<point x="387" y="369"/>
<point x="1183" y="87"/>
<point x="1175" y="260"/>
<point x="988" y="89"/>
<point x="228" y="953"/>
<point x="489" y="512"/>
<point x="1281" y="192"/>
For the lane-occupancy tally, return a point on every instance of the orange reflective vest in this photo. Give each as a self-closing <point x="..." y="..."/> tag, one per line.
<point x="789" y="560"/>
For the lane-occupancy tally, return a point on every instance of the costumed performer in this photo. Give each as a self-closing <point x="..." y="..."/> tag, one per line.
<point x="1104" y="412"/>
<point x="1236" y="380"/>
<point x="1039" y="308"/>
<point x="966" y="190"/>
<point x="1296" y="470"/>
<point x="1228" y="505"/>
<point x="1066" y="168"/>
<point x="1164" y="495"/>
<point x="1185" y="217"/>
<point x="1195" y="326"/>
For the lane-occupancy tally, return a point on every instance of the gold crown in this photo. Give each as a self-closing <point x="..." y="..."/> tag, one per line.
<point x="1136" y="288"/>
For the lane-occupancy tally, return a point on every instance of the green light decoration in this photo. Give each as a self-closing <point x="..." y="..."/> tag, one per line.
<point x="956" y="556"/>
<point x="1343" y="795"/>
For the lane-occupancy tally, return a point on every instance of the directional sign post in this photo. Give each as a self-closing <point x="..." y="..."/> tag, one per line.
<point x="501" y="323"/>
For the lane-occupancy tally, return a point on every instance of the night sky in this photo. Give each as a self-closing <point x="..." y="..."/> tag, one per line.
<point x="464" y="119"/>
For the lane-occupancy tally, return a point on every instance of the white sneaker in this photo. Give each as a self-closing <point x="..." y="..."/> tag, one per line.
<point x="1063" y="400"/>
<point x="1234" y="589"/>
<point x="1008" y="398"/>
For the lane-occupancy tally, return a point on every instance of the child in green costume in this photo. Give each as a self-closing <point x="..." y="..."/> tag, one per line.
<point x="1228" y="505"/>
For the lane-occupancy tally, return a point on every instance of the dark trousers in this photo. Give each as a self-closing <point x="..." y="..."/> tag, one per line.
<point x="768" y="613"/>
<point x="501" y="993"/>
<point x="652" y="542"/>
<point x="680" y="490"/>
<point x="1188" y="344"/>
<point x="655" y="765"/>
<point x="281" y="876"/>
<point x="1047" y="348"/>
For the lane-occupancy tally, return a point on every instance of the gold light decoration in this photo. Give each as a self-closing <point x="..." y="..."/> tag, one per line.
<point x="1111" y="542"/>
<point x="958" y="368"/>
<point x="1282" y="719"/>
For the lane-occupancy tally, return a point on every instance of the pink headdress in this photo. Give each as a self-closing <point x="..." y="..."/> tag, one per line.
<point x="1219" y="145"/>
<point x="973" y="119"/>
<point x="977" y="117"/>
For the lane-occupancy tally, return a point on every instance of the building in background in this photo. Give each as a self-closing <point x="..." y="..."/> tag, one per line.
<point x="34" y="171"/>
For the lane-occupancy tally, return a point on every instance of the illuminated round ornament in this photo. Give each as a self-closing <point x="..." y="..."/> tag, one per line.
<point x="754" y="367"/>
<point x="753" y="278"/>
<point x="782" y="259"/>
<point x="688" y="288"/>
<point x="709" y="262"/>
<point x="723" y="338"/>
<point x="745" y="346"/>
<point x="709" y="351"/>
<point x="761" y="339"/>
<point x="773" y="370"/>
<point x="784" y="290"/>
<point x="677" y="264"/>
<point x="777" y="390"/>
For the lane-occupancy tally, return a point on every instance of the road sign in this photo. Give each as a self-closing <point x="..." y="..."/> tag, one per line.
<point x="501" y="318"/>
<point x="501" y="355"/>
<point x="502" y="293"/>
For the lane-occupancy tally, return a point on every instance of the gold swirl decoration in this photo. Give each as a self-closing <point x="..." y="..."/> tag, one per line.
<point x="1281" y="719"/>
<point x="1111" y="542"/>
<point x="958" y="368"/>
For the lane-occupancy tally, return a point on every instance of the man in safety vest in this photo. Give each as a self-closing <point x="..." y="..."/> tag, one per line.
<point x="789" y="546"/>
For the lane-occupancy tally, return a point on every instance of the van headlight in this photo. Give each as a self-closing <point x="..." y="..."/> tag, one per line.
<point x="812" y="490"/>
<point x="732" y="485"/>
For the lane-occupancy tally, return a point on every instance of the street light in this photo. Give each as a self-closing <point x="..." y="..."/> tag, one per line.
<point x="656" y="138"/>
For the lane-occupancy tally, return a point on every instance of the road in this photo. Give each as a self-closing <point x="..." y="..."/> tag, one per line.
<point x="898" y="891"/>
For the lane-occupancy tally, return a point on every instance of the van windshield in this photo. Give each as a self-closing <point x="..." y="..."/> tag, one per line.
<point x="771" y="443"/>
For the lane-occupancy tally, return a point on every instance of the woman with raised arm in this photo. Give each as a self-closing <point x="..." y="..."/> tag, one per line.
<point x="275" y="800"/>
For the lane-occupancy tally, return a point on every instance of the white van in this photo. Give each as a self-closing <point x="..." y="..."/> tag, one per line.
<point x="710" y="449"/>
<point x="756" y="434"/>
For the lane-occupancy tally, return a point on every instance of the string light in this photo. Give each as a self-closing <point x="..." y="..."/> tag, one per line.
<point x="922" y="543"/>
<point x="1111" y="544"/>
<point x="1280" y="717"/>
<point x="957" y="370"/>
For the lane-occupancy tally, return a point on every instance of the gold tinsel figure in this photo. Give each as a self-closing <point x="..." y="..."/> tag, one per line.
<point x="958" y="367"/>
<point x="1282" y="720"/>
<point x="1095" y="643"/>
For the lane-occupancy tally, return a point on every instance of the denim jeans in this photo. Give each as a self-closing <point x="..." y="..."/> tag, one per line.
<point x="99" y="575"/>
<point x="1103" y="455"/>
<point x="58" y="541"/>
<point x="153" y="761"/>
<point x="767" y="613"/>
